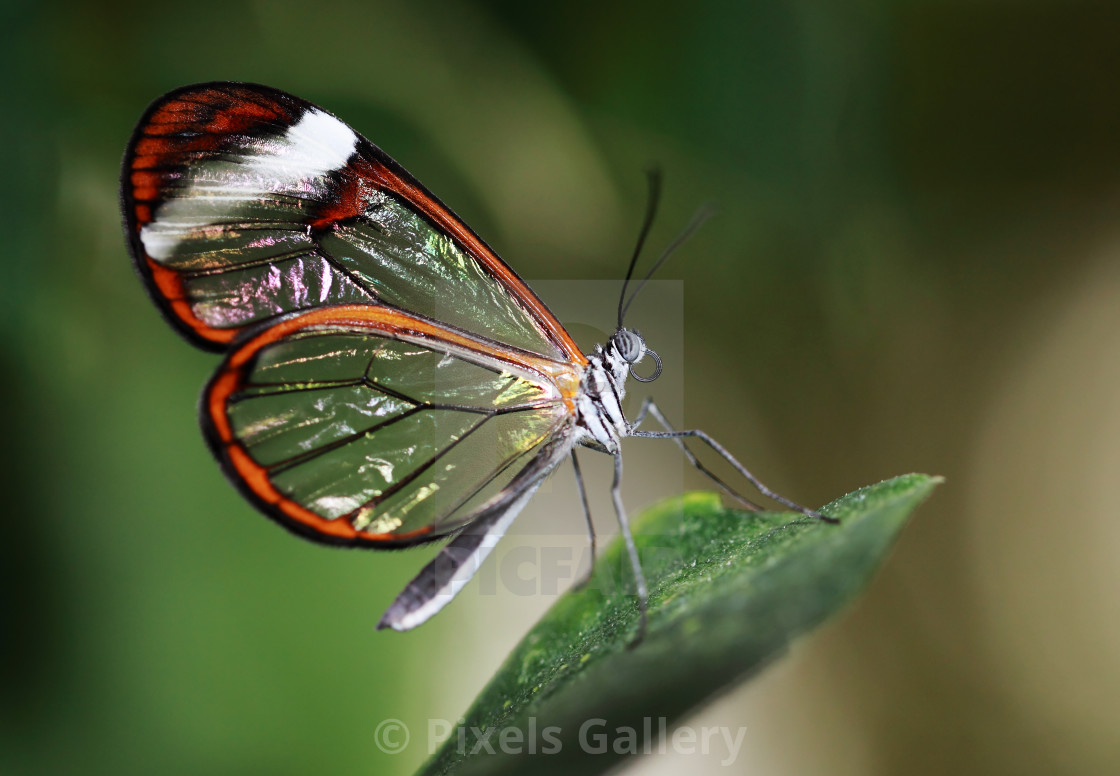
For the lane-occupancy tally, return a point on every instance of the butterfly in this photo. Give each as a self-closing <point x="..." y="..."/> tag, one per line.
<point x="386" y="379"/>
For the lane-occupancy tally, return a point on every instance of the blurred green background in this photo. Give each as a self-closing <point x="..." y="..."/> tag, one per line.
<point x="916" y="268"/>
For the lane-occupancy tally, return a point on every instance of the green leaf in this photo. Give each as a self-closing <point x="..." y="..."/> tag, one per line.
<point x="729" y="590"/>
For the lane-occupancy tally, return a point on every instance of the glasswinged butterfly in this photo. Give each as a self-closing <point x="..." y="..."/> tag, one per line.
<point x="387" y="380"/>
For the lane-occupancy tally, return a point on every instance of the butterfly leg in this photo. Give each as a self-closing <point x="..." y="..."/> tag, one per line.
<point x="649" y="407"/>
<point x="679" y="436"/>
<point x="631" y="549"/>
<point x="590" y="525"/>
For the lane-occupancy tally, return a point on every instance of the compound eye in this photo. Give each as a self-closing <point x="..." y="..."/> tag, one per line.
<point x="630" y="345"/>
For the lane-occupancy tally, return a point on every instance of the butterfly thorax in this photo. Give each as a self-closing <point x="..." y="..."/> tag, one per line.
<point x="603" y="387"/>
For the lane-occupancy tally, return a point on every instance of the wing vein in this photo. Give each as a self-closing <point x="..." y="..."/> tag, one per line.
<point x="411" y="476"/>
<point x="296" y="460"/>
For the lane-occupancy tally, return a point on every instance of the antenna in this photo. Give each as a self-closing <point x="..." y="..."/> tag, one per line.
<point x="703" y="214"/>
<point x="653" y="175"/>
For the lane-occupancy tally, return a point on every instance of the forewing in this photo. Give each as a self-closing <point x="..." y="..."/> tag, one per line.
<point x="243" y="203"/>
<point x="361" y="424"/>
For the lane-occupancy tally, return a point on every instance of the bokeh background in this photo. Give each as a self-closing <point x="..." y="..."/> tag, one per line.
<point x="916" y="267"/>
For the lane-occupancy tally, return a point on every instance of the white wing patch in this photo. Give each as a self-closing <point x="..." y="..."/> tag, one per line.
<point x="294" y="164"/>
<point x="313" y="147"/>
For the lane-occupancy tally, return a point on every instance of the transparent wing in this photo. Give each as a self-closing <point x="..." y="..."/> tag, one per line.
<point x="243" y="203"/>
<point x="362" y="424"/>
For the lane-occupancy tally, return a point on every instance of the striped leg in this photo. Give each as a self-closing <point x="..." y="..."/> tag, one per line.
<point x="649" y="407"/>
<point x="590" y="525"/>
<point x="632" y="551"/>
